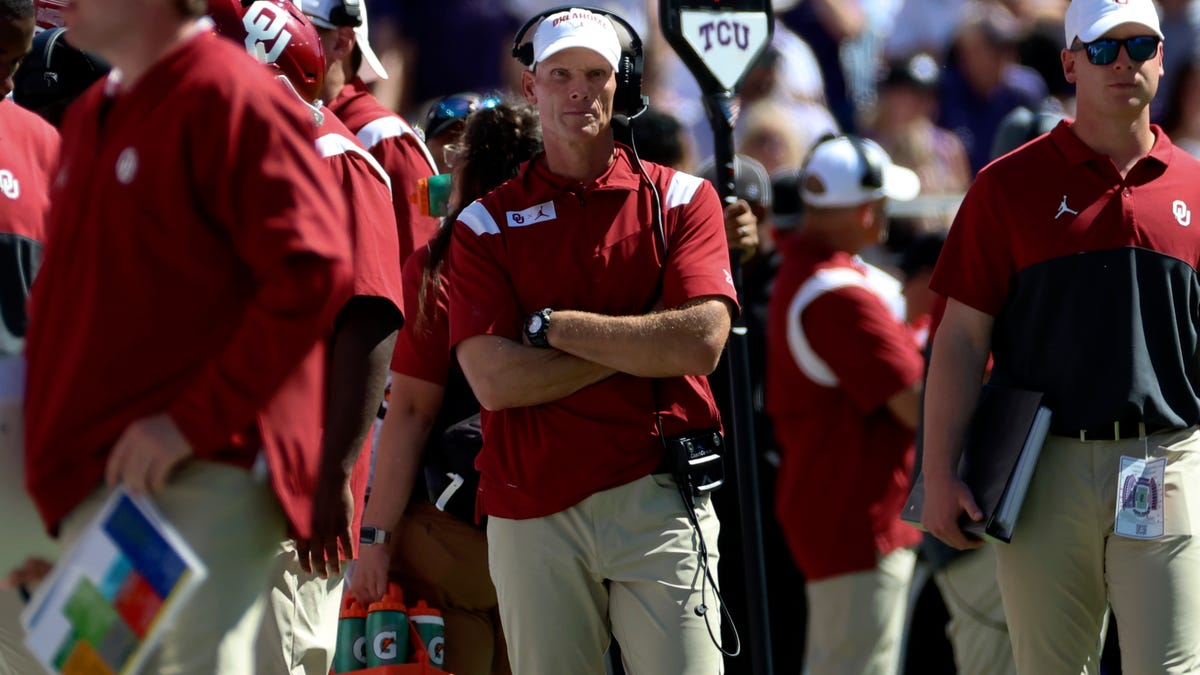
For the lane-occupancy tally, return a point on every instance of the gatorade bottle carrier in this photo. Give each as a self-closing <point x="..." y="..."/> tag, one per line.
<point x="391" y="608"/>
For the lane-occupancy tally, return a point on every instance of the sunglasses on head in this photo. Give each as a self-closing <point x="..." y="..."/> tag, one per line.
<point x="458" y="107"/>
<point x="1104" y="51"/>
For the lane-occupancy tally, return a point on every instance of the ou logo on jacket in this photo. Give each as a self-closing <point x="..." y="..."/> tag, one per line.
<point x="1183" y="215"/>
<point x="385" y="645"/>
<point x="9" y="185"/>
<point x="265" y="23"/>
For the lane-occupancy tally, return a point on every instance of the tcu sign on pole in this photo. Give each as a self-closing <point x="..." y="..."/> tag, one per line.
<point x="719" y="40"/>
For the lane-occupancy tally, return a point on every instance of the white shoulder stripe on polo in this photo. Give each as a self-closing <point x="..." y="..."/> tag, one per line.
<point x="479" y="220"/>
<point x="813" y="366"/>
<point x="333" y="144"/>
<point x="681" y="190"/>
<point x="389" y="127"/>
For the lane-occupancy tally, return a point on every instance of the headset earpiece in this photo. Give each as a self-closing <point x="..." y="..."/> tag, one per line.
<point x="872" y="174"/>
<point x="628" y="102"/>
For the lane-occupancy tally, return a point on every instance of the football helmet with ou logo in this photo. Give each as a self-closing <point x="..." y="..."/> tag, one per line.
<point x="277" y="33"/>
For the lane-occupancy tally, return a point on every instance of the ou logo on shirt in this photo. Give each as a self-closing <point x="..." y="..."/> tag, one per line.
<point x="265" y="22"/>
<point x="9" y="185"/>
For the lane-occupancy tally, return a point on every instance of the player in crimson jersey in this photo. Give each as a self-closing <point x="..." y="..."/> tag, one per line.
<point x="842" y="390"/>
<point x="299" y="631"/>
<point x="579" y="406"/>
<point x="352" y="65"/>
<point x="176" y="341"/>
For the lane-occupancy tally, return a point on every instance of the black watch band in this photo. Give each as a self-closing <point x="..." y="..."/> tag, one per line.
<point x="536" y="327"/>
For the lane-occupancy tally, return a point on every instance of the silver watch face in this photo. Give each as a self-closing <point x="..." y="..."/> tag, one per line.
<point x="535" y="324"/>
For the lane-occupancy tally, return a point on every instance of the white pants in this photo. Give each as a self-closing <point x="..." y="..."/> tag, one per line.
<point x="856" y="621"/>
<point x="622" y="560"/>
<point x="299" y="625"/>
<point x="977" y="628"/>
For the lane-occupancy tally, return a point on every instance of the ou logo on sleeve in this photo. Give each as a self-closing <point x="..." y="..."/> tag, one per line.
<point x="266" y="23"/>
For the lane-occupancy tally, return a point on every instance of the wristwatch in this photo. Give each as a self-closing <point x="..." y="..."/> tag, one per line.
<point x="373" y="535"/>
<point x="536" y="327"/>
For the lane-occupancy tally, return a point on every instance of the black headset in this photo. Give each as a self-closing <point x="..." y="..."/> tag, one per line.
<point x="872" y="174"/>
<point x="628" y="101"/>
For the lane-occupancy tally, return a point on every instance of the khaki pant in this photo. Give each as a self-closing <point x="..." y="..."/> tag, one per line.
<point x="1065" y="567"/>
<point x="235" y="524"/>
<point x="443" y="560"/>
<point x="856" y="621"/>
<point x="299" y="624"/>
<point x="24" y="534"/>
<point x="977" y="629"/>
<point x="15" y="658"/>
<point x="623" y="559"/>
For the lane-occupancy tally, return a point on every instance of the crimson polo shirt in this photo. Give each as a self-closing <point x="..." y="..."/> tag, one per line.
<point x="398" y="148"/>
<point x="1091" y="278"/>
<point x="196" y="259"/>
<point x="26" y="164"/>
<point x="542" y="241"/>
<point x="372" y="230"/>
<point x="835" y="355"/>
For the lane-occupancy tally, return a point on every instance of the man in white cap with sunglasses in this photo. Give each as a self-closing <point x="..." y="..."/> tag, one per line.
<point x="1073" y="262"/>
<point x="842" y="390"/>
<point x="588" y="353"/>
<point x="352" y="65"/>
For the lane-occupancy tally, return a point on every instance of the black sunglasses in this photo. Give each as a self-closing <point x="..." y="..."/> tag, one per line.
<point x="1104" y="51"/>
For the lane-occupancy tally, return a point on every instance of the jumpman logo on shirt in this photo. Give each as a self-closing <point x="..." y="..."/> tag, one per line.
<point x="541" y="213"/>
<point x="1063" y="208"/>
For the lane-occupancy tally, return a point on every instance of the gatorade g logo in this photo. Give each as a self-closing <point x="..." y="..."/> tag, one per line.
<point x="437" y="650"/>
<point x="266" y="23"/>
<point x="360" y="650"/>
<point x="385" y="645"/>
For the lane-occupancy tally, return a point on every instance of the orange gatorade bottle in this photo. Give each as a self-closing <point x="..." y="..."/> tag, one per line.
<point x="387" y="630"/>
<point x="431" y="628"/>
<point x="351" y="652"/>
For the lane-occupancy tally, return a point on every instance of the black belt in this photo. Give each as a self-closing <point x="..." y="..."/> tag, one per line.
<point x="1116" y="431"/>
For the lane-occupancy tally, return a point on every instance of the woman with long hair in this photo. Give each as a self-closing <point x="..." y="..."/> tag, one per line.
<point x="439" y="553"/>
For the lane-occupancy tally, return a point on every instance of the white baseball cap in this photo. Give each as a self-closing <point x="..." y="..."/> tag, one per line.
<point x="846" y="171"/>
<point x="1090" y="19"/>
<point x="576" y="28"/>
<point x="331" y="14"/>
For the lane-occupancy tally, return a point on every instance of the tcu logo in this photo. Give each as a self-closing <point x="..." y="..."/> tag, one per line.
<point x="727" y="31"/>
<point x="265" y="23"/>
<point x="9" y="185"/>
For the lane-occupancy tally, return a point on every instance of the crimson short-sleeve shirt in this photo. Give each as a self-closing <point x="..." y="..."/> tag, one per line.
<point x="197" y="253"/>
<point x="398" y="148"/>
<point x="372" y="230"/>
<point x="835" y="354"/>
<point x="423" y="345"/>
<point x="27" y="161"/>
<point x="542" y="241"/>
